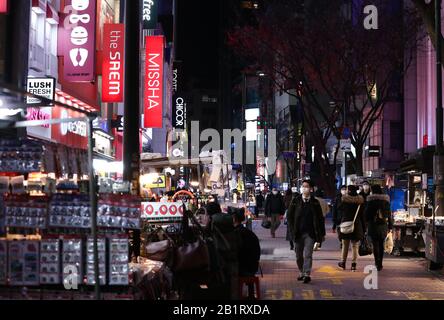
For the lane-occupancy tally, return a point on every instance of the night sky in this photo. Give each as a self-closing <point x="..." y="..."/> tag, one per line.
<point x="197" y="46"/>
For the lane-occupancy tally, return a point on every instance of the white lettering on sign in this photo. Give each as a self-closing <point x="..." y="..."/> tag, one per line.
<point x="161" y="210"/>
<point x="146" y="14"/>
<point x="77" y="127"/>
<point x="179" y="112"/>
<point x="153" y="82"/>
<point x="79" y="34"/>
<point x="115" y="64"/>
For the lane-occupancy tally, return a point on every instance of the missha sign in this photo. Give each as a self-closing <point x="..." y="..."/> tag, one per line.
<point x="113" y="63"/>
<point x="153" y="95"/>
<point x="149" y="13"/>
<point x="77" y="39"/>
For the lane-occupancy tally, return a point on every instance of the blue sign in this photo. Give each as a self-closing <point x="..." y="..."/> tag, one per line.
<point x="346" y="133"/>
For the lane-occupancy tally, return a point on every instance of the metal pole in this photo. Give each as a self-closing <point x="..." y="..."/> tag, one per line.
<point x="244" y="125"/>
<point x="438" y="158"/>
<point x="345" y="152"/>
<point x="93" y="204"/>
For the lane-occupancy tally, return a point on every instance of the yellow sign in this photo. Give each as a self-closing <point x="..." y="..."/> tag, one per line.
<point x="152" y="180"/>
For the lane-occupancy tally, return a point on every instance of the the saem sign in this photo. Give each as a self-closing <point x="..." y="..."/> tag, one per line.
<point x="77" y="39"/>
<point x="112" y="67"/>
<point x="153" y="82"/>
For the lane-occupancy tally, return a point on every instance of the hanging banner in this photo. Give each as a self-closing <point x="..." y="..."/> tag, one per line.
<point x="3" y="6"/>
<point x="72" y="134"/>
<point x="76" y="39"/>
<point x="149" y="13"/>
<point x="113" y="63"/>
<point x="153" y="95"/>
<point x="179" y="103"/>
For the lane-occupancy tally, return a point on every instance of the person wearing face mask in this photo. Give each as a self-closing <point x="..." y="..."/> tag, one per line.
<point x="307" y="227"/>
<point x="365" y="190"/>
<point x="335" y="212"/>
<point x="274" y="209"/>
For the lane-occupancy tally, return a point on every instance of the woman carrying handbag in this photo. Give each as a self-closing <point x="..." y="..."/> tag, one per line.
<point x="379" y="221"/>
<point x="352" y="225"/>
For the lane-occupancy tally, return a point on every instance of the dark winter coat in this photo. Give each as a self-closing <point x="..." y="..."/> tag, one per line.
<point x="378" y="228"/>
<point x="260" y="201"/>
<point x="249" y="251"/>
<point x="335" y="211"/>
<point x="347" y="209"/>
<point x="294" y="218"/>
<point x="274" y="204"/>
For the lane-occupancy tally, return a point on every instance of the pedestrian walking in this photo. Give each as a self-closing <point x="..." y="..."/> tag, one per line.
<point x="274" y="209"/>
<point x="379" y="222"/>
<point x="351" y="210"/>
<point x="287" y="201"/>
<point x="335" y="210"/>
<point x="365" y="190"/>
<point x="307" y="226"/>
<point x="259" y="203"/>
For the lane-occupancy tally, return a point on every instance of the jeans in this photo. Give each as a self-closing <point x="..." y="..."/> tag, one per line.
<point x="378" y="250"/>
<point x="303" y="247"/>
<point x="275" y="223"/>
<point x="355" y="249"/>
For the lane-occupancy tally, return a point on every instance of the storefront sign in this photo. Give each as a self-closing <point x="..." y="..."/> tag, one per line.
<point x="102" y="144"/>
<point x="77" y="39"/>
<point x="73" y="134"/>
<point x="152" y="180"/>
<point x="161" y="210"/>
<point x="43" y="87"/>
<point x="149" y="14"/>
<point x="374" y="151"/>
<point x="179" y="104"/>
<point x="43" y="131"/>
<point x="117" y="124"/>
<point x="153" y="104"/>
<point x="113" y="63"/>
<point x="4" y="6"/>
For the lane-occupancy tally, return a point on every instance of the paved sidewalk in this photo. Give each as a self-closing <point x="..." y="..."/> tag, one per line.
<point x="403" y="278"/>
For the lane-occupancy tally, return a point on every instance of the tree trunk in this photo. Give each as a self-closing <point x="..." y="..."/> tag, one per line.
<point x="358" y="161"/>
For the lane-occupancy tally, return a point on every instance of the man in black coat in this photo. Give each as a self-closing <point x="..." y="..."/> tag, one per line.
<point x="275" y="209"/>
<point x="307" y="226"/>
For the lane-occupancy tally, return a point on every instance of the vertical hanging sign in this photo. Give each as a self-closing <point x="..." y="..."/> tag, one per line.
<point x="3" y="6"/>
<point x="77" y="40"/>
<point x="153" y="95"/>
<point x="149" y="14"/>
<point x="179" y="103"/>
<point x="113" y="63"/>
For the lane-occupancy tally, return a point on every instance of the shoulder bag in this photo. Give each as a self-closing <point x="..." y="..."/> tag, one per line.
<point x="348" y="227"/>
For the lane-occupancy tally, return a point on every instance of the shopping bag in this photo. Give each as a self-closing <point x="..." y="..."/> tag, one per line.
<point x="388" y="243"/>
<point x="365" y="248"/>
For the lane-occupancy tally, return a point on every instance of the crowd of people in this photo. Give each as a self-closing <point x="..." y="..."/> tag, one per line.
<point x="358" y="213"/>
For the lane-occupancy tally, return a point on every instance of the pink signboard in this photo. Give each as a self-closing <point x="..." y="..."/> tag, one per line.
<point x="77" y="39"/>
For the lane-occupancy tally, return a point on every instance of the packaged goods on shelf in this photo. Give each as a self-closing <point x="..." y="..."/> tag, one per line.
<point x="25" y="211"/>
<point x="118" y="260"/>
<point x="20" y="156"/>
<point x="23" y="262"/>
<point x="70" y="211"/>
<point x="50" y="263"/>
<point x="119" y="211"/>
<point x="72" y="259"/>
<point x="3" y="261"/>
<point x="101" y="246"/>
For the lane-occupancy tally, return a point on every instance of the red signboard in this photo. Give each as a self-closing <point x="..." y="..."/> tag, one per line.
<point x="112" y="65"/>
<point x="3" y="6"/>
<point x="425" y="140"/>
<point x="72" y="134"/>
<point x="77" y="39"/>
<point x="153" y="82"/>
